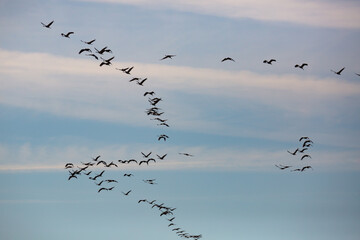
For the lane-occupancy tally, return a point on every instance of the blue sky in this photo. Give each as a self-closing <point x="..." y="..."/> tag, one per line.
<point x="238" y="118"/>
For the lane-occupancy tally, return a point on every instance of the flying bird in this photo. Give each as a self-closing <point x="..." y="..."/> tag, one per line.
<point x="89" y="42"/>
<point x="69" y="165"/>
<point x="142" y="82"/>
<point x="67" y="35"/>
<point x="269" y="61"/>
<point x="128" y="175"/>
<point x="338" y="72"/>
<point x="306" y="155"/>
<point x="293" y="153"/>
<point x="150" y="93"/>
<point x="142" y="200"/>
<point x="101" y="51"/>
<point x="301" y="66"/>
<point x="281" y="167"/>
<point x="127" y="193"/>
<point x="163" y="136"/>
<point x="357" y="74"/>
<point x="306" y="167"/>
<point x="168" y="56"/>
<point x="303" y="138"/>
<point x="47" y="25"/>
<point x="186" y="154"/>
<point x="227" y="59"/>
<point x="146" y="155"/>
<point x="161" y="157"/>
<point x="85" y="50"/>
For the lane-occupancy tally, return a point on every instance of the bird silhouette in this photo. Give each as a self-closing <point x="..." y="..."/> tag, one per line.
<point x="127" y="193"/>
<point x="306" y="167"/>
<point x="301" y="66"/>
<point x="338" y="72"/>
<point x="149" y="93"/>
<point x="69" y="165"/>
<point x="128" y="175"/>
<point x="281" y="167"/>
<point x="171" y="219"/>
<point x="141" y="82"/>
<point x="142" y="200"/>
<point x="47" y="25"/>
<point x="146" y="155"/>
<point x="227" y="59"/>
<point x="269" y="61"/>
<point x="84" y="50"/>
<point x="102" y="51"/>
<point x="168" y="56"/>
<point x="161" y="157"/>
<point x="89" y="42"/>
<point x="67" y="35"/>
<point x="305" y="156"/>
<point x="302" y="138"/>
<point x="357" y="74"/>
<point x="186" y="154"/>
<point x="293" y="153"/>
<point x="163" y="136"/>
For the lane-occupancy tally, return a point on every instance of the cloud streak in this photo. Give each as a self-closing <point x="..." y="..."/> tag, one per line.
<point x="313" y="13"/>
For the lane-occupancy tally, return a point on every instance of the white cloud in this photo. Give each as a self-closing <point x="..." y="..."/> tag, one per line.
<point x="45" y="158"/>
<point x="315" y="13"/>
<point x="79" y="88"/>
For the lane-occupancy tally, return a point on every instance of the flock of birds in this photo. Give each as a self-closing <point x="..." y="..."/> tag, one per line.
<point x="90" y="169"/>
<point x="305" y="144"/>
<point x="95" y="170"/>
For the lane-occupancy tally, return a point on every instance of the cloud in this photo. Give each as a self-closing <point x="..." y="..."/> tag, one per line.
<point x="339" y="14"/>
<point x="27" y="157"/>
<point x="79" y="88"/>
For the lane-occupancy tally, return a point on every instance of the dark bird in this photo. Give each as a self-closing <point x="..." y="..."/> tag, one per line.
<point x="88" y="173"/>
<point x="85" y="50"/>
<point x="72" y="176"/>
<point x="67" y="35"/>
<point x="101" y="51"/>
<point x="166" y="213"/>
<point x="111" y="164"/>
<point x="69" y="165"/>
<point x="171" y="224"/>
<point x="127" y="193"/>
<point x="301" y="66"/>
<point x="171" y="219"/>
<point x="149" y="93"/>
<point x="47" y="25"/>
<point x="93" y="55"/>
<point x="306" y="167"/>
<point x="175" y="229"/>
<point x="150" y="159"/>
<point x="160" y="120"/>
<point x="308" y="142"/>
<point x="163" y="124"/>
<point x="168" y="56"/>
<point x="108" y="60"/>
<point x="127" y="71"/>
<point x="186" y="154"/>
<point x="134" y="79"/>
<point x="227" y="59"/>
<point x="270" y="61"/>
<point x="306" y="155"/>
<point x="303" y="150"/>
<point x="307" y="145"/>
<point x="142" y="200"/>
<point x="282" y="167"/>
<point x="141" y="82"/>
<point x="110" y="180"/>
<point x="338" y="72"/>
<point x="302" y="138"/>
<point x="128" y="175"/>
<point x="141" y="162"/>
<point x="102" y="189"/>
<point x="132" y="160"/>
<point x="99" y="183"/>
<point x="146" y="155"/>
<point x="161" y="157"/>
<point x="293" y="153"/>
<point x="103" y="162"/>
<point x="152" y="202"/>
<point x="105" y="63"/>
<point x="89" y="42"/>
<point x="163" y="136"/>
<point x="97" y="158"/>
<point x="357" y="74"/>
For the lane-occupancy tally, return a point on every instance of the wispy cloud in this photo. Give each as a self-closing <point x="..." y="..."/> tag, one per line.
<point x="81" y="89"/>
<point x="53" y="158"/>
<point x="340" y="14"/>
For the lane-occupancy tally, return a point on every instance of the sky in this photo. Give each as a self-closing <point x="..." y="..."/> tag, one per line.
<point x="238" y="119"/>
